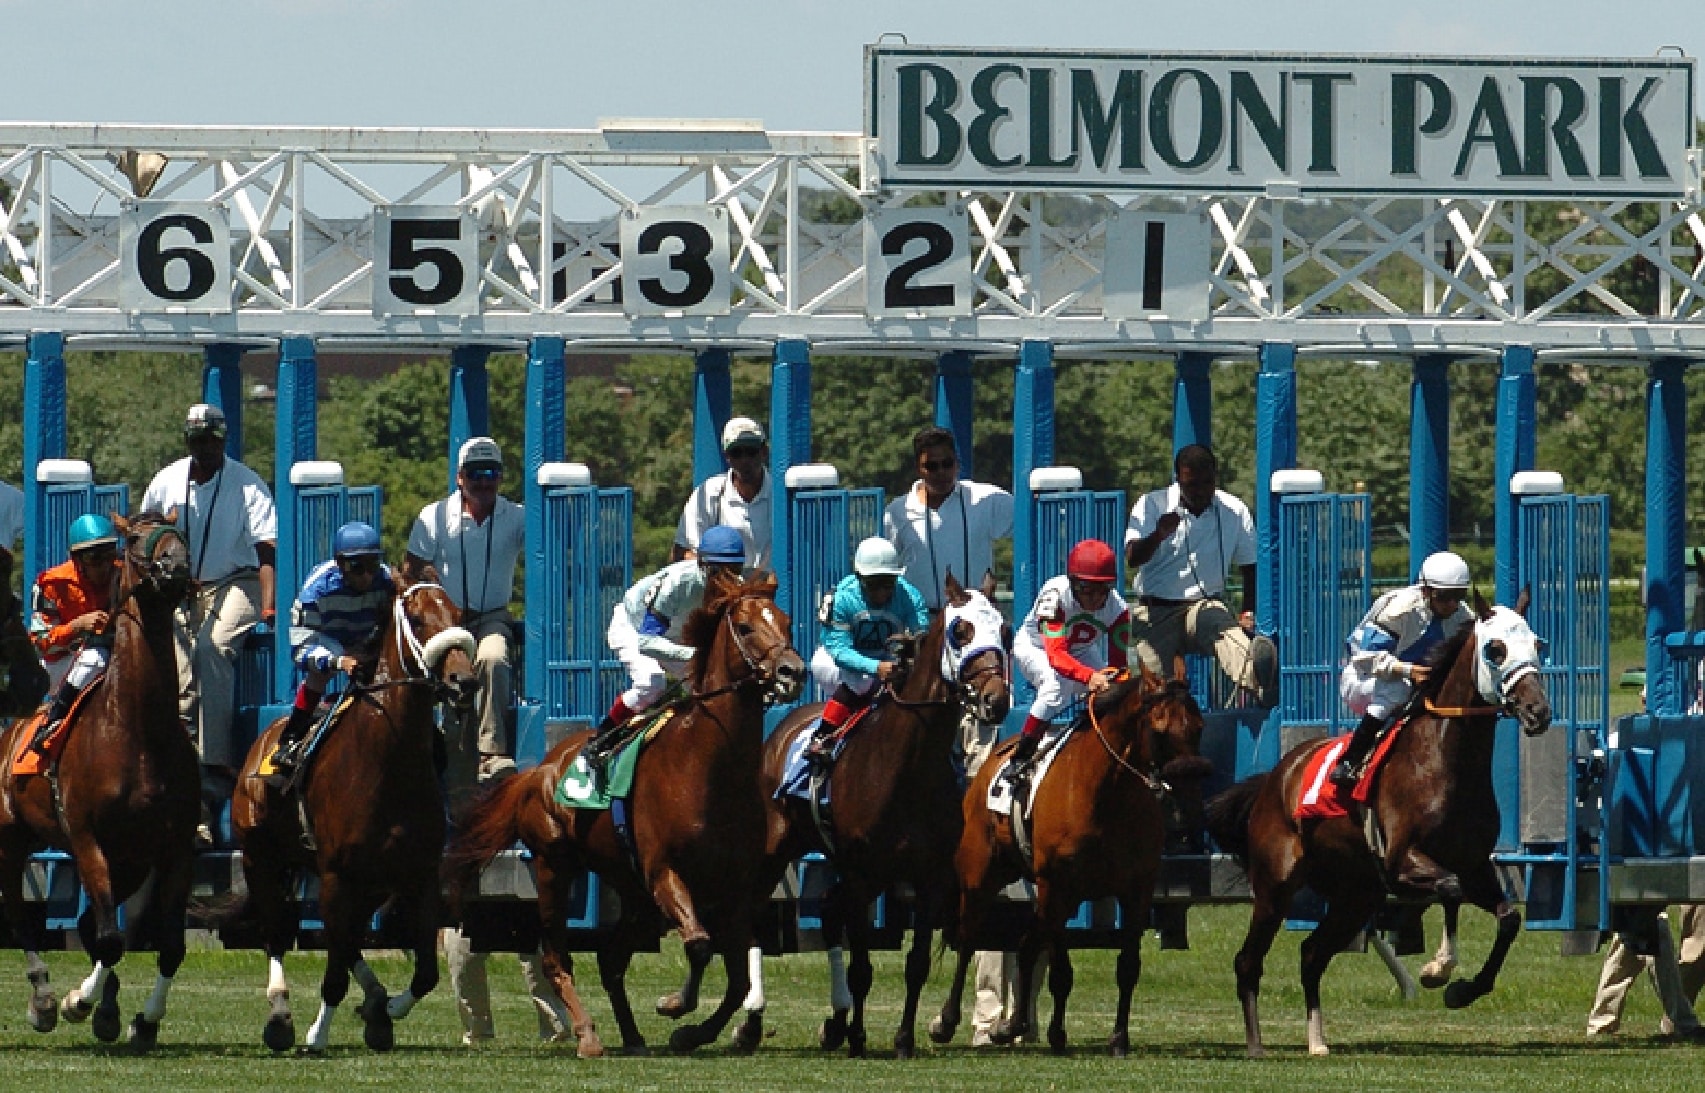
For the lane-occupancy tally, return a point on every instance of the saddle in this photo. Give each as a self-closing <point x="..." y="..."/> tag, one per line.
<point x="309" y="747"/>
<point x="582" y="787"/>
<point x="37" y="758"/>
<point x="1323" y="799"/>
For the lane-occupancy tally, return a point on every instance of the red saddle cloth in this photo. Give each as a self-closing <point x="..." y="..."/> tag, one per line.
<point x="1324" y="799"/>
<point x="29" y="760"/>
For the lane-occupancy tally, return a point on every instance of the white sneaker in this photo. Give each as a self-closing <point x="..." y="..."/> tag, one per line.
<point x="980" y="1038"/>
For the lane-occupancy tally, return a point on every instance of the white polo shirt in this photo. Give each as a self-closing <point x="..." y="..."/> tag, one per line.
<point x="11" y="516"/>
<point x="222" y="518"/>
<point x="475" y="562"/>
<point x="1192" y="564"/>
<point x="717" y="501"/>
<point x="959" y="535"/>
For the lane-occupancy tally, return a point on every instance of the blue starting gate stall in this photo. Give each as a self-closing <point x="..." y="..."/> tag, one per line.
<point x="585" y="564"/>
<point x="67" y="490"/>
<point x="1550" y="786"/>
<point x="826" y="523"/>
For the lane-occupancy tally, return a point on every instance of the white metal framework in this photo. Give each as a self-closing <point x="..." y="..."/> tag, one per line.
<point x="547" y="212"/>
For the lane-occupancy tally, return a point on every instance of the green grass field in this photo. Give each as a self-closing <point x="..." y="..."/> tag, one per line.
<point x="1186" y="1032"/>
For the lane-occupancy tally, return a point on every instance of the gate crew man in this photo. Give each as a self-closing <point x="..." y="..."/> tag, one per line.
<point x="739" y="499"/>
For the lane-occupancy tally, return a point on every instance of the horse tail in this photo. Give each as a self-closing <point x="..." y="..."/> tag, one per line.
<point x="490" y="826"/>
<point x="222" y="911"/>
<point x="1228" y="816"/>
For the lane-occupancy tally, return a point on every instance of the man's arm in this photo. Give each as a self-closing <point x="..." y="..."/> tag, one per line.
<point x="266" y="553"/>
<point x="1247" y="613"/>
<point x="1138" y="552"/>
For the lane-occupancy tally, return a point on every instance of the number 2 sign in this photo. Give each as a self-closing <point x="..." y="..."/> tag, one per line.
<point x="917" y="262"/>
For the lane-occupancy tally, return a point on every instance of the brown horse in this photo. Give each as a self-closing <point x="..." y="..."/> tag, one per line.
<point x="374" y="821"/>
<point x="696" y="841"/>
<point x="894" y="814"/>
<point x="1097" y="828"/>
<point x="1436" y="813"/>
<point x="26" y="679"/>
<point x="123" y="798"/>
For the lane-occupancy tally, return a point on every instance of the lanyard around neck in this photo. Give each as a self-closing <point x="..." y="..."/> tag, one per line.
<point x="462" y="542"/>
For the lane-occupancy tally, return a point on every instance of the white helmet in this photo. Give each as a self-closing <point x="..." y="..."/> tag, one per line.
<point x="876" y="557"/>
<point x="1445" y="570"/>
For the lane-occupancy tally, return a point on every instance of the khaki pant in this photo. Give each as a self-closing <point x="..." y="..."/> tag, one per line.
<point x="1677" y="985"/>
<point x="211" y="627"/>
<point x="1203" y="627"/>
<point x="473" y="991"/>
<point x="487" y="733"/>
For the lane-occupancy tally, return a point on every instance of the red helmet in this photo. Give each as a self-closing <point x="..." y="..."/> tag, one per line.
<point x="1092" y="560"/>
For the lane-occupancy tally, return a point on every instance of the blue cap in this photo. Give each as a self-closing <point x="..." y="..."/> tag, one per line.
<point x="355" y="539"/>
<point x="722" y="545"/>
<point x="91" y="530"/>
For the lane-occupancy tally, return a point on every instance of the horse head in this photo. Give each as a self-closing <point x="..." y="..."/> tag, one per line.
<point x="758" y="635"/>
<point x="431" y="643"/>
<point x="973" y="649"/>
<point x="1507" y="663"/>
<point x="156" y="560"/>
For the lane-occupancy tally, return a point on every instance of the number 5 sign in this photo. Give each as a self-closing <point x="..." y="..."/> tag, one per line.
<point x="174" y="256"/>
<point x="426" y="260"/>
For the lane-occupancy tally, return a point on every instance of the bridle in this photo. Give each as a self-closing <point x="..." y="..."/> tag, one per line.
<point x="140" y="555"/>
<point x="420" y="660"/>
<point x="775" y="688"/>
<point x="1156" y="784"/>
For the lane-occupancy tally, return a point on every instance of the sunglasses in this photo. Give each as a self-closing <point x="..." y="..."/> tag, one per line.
<point x="482" y="475"/>
<point x="941" y="464"/>
<point x="356" y="566"/>
<point x="743" y="451"/>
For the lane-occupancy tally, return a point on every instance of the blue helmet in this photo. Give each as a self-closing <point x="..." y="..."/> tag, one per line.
<point x="722" y="545"/>
<point x="356" y="539"/>
<point x="92" y="530"/>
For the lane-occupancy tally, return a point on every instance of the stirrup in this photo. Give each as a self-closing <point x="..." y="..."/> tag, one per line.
<point x="1344" y="774"/>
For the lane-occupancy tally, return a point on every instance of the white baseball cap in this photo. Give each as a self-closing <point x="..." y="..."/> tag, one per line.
<point x="741" y="430"/>
<point x="478" y="453"/>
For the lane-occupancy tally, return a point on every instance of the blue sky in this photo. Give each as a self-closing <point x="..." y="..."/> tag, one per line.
<point x="794" y="64"/>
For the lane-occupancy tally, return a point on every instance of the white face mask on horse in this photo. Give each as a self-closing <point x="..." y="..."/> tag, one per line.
<point x="988" y="631"/>
<point x="1523" y="655"/>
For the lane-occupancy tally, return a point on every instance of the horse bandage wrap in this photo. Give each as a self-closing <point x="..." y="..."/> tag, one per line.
<point x="438" y="646"/>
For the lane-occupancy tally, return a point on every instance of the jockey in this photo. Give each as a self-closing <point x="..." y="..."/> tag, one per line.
<point x="340" y="608"/>
<point x="70" y="610"/>
<point x="869" y="606"/>
<point x="1388" y="647"/>
<point x="645" y="630"/>
<point x="1072" y="643"/>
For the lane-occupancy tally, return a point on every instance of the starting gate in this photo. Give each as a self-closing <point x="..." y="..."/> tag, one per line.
<point x="1555" y="836"/>
<point x="68" y="490"/>
<point x="826" y="523"/>
<point x="587" y="562"/>
<point x="1325" y="563"/>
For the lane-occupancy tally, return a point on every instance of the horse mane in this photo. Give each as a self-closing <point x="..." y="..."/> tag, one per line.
<point x="926" y="656"/>
<point x="700" y="628"/>
<point x="1440" y="659"/>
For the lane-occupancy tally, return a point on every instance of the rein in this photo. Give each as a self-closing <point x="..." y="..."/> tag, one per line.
<point x="756" y="677"/>
<point x="1157" y="785"/>
<point x="1460" y="712"/>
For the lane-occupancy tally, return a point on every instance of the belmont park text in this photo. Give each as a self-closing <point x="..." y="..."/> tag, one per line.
<point x="1321" y="124"/>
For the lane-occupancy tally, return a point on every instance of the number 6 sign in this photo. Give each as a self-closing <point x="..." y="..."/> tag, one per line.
<point x="174" y="256"/>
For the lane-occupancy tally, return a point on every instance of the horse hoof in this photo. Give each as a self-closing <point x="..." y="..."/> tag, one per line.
<point x="44" y="1012"/>
<point x="589" y="1048"/>
<point x="639" y="1049"/>
<point x="144" y="1035"/>
<point x="673" y="1006"/>
<point x="107" y="1022"/>
<point x="309" y="1051"/>
<point x="905" y="1047"/>
<point x="1119" y="1045"/>
<point x="686" y="1040"/>
<point x="1003" y="1033"/>
<point x="940" y="1032"/>
<point x="855" y="1043"/>
<point x="75" y="1008"/>
<point x="377" y="1033"/>
<point x="833" y="1034"/>
<point x="1319" y="1050"/>
<point x="1461" y="994"/>
<point x="1434" y="976"/>
<point x="1057" y="1041"/>
<point x="279" y="1034"/>
<point x="748" y="1035"/>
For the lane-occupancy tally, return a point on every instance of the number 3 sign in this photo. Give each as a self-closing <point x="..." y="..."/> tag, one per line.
<point x="175" y="256"/>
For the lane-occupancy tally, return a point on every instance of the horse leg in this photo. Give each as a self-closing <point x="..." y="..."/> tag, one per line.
<point x="854" y="905"/>
<point x="676" y="903"/>
<point x="424" y="912"/>
<point x="272" y="895"/>
<point x="973" y="901"/>
<point x="558" y="962"/>
<point x="170" y="898"/>
<point x="1443" y="965"/>
<point x="613" y="961"/>
<point x="917" y="974"/>
<point x="341" y="954"/>
<point x="1344" y="920"/>
<point x="1265" y="917"/>
<point x="1029" y="948"/>
<point x="1133" y="910"/>
<point x="375" y="1009"/>
<point x="690" y="1037"/>
<point x="833" y="1032"/>
<point x="750" y="1033"/>
<point x="43" y="1012"/>
<point x="1481" y="888"/>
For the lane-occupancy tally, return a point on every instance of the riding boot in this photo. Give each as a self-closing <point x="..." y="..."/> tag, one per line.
<point x="1350" y="764"/>
<point x="285" y="756"/>
<point x="62" y="701"/>
<point x="1024" y="756"/>
<point x="605" y="736"/>
<point x="836" y="713"/>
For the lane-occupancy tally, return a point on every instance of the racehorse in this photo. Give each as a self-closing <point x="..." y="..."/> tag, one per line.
<point x="364" y="814"/>
<point x="123" y="796"/>
<point x="26" y="679"/>
<point x="1097" y="827"/>
<point x="894" y="812"/>
<point x="691" y="856"/>
<point x="1436" y="815"/>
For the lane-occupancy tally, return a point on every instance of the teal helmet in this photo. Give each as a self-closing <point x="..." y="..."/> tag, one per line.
<point x="91" y="530"/>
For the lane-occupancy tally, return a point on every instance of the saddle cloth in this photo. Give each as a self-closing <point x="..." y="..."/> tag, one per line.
<point x="581" y="788"/>
<point x="1000" y="786"/>
<point x="1324" y="799"/>
<point x="28" y="760"/>
<point x="796" y="772"/>
<point x="322" y="729"/>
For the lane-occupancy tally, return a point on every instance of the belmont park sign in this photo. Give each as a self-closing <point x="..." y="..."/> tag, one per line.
<point x="1287" y="125"/>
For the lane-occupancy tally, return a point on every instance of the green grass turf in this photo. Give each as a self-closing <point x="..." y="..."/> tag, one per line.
<point x="1186" y="1031"/>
